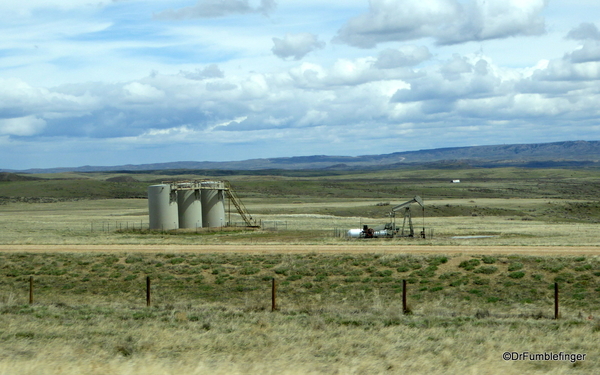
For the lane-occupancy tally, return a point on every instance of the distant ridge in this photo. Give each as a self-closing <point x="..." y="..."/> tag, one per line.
<point x="540" y="155"/>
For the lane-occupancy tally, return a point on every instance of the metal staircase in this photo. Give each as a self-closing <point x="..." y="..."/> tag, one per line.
<point x="233" y="198"/>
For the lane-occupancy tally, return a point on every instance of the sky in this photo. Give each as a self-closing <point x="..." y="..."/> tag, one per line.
<point x="138" y="81"/>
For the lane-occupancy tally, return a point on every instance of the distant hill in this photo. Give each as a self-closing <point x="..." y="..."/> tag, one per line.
<point x="543" y="155"/>
<point x="5" y="176"/>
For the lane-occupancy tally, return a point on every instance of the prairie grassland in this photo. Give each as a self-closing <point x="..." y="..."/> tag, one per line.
<point x="97" y="222"/>
<point x="226" y="340"/>
<point x="337" y="314"/>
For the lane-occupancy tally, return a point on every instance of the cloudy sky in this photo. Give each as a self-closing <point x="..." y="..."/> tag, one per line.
<point x="146" y="81"/>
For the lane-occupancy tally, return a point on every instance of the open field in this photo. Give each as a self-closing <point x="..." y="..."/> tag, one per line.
<point x="96" y="222"/>
<point x="338" y="313"/>
<point x="340" y="310"/>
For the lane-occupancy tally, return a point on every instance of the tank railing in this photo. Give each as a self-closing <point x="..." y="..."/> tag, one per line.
<point x="216" y="185"/>
<point x="197" y="185"/>
<point x="239" y="205"/>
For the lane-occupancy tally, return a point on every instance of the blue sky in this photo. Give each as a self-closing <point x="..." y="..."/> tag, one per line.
<point x="136" y="81"/>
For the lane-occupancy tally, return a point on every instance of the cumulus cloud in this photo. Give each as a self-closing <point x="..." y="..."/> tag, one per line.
<point x="403" y="57"/>
<point x="296" y="46"/>
<point x="140" y="92"/>
<point x="452" y="69"/>
<point x="446" y="21"/>
<point x="215" y="9"/>
<point x="585" y="31"/>
<point x="22" y="126"/>
<point x="210" y="71"/>
<point x="590" y="51"/>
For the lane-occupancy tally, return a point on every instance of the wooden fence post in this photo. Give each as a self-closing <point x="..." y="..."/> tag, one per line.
<point x="556" y="301"/>
<point x="30" y="290"/>
<point x="148" y="299"/>
<point x="273" y="295"/>
<point x="404" y="305"/>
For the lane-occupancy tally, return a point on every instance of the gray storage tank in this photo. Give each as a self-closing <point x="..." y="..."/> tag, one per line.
<point x="162" y="207"/>
<point x="213" y="204"/>
<point x="190" y="208"/>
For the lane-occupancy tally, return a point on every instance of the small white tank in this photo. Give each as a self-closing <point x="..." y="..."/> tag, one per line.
<point x="213" y="204"/>
<point x="354" y="233"/>
<point x="162" y="207"/>
<point x="382" y="233"/>
<point x="190" y="208"/>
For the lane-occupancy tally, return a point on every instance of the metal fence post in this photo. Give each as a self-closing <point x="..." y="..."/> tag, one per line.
<point x="404" y="305"/>
<point x="556" y="301"/>
<point x="30" y="290"/>
<point x="273" y="295"/>
<point x="148" y="299"/>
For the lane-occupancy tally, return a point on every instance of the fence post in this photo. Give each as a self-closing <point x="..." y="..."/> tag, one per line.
<point x="148" y="300"/>
<point x="404" y="305"/>
<point x="555" y="300"/>
<point x="30" y="290"/>
<point x="273" y="295"/>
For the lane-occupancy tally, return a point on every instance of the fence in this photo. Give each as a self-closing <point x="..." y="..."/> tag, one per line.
<point x="274" y="306"/>
<point x="109" y="225"/>
<point x="274" y="225"/>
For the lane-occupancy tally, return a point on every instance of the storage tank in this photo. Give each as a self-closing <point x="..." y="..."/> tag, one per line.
<point x="190" y="208"/>
<point x="213" y="204"/>
<point x="354" y="233"/>
<point x="162" y="207"/>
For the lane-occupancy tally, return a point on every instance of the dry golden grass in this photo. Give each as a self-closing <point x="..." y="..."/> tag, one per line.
<point x="94" y="222"/>
<point x="225" y="340"/>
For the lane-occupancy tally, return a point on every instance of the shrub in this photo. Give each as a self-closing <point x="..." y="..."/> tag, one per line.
<point x="383" y="273"/>
<point x="469" y="265"/>
<point x="176" y="260"/>
<point x="436" y="261"/>
<point x="515" y="266"/>
<point x="583" y="267"/>
<point x="480" y="281"/>
<point x="489" y="260"/>
<point x="249" y="270"/>
<point x="486" y="270"/>
<point x="516" y="275"/>
<point x="427" y="272"/>
<point x="564" y="277"/>
<point x="553" y="266"/>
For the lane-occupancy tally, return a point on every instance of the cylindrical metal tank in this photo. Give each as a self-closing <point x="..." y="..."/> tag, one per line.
<point x="213" y="204"/>
<point x="190" y="208"/>
<point x="382" y="233"/>
<point x="354" y="233"/>
<point x="162" y="207"/>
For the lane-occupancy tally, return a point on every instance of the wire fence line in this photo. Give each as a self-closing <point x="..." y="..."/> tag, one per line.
<point x="272" y="284"/>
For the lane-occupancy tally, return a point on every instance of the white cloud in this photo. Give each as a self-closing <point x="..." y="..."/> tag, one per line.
<point x="210" y="71"/>
<point x="296" y="46"/>
<point x="216" y="8"/>
<point x="22" y="126"/>
<point x="403" y="57"/>
<point x="447" y="21"/>
<point x="585" y="31"/>
<point x="109" y="81"/>
<point x="139" y="92"/>
<point x="590" y="51"/>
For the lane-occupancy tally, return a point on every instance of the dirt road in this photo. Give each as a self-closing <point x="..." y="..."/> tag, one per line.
<point x="299" y="249"/>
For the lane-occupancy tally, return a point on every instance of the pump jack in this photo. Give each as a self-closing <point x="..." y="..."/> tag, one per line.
<point x="407" y="218"/>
